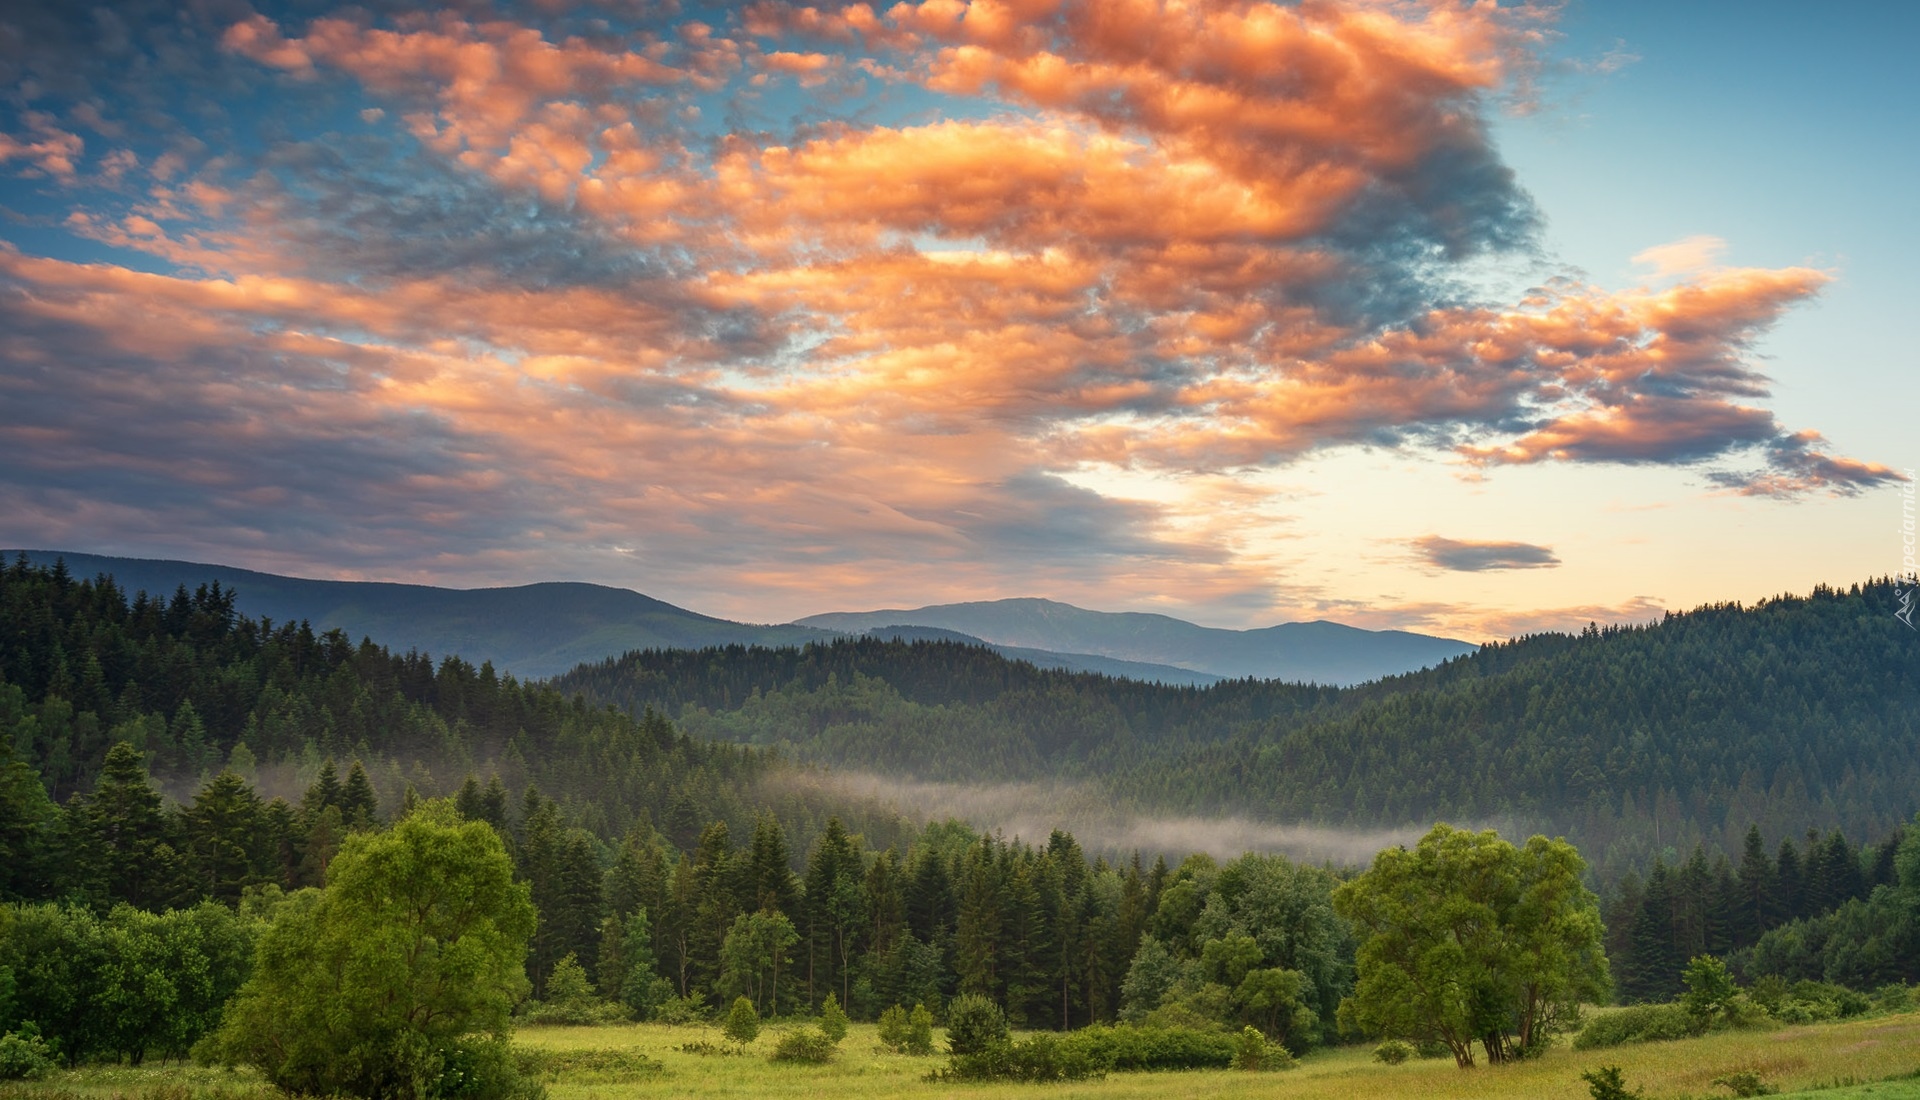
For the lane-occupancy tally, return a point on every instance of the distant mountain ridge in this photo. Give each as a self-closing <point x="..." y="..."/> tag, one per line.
<point x="1320" y="652"/>
<point x="545" y="629"/>
<point x="1041" y="658"/>
<point x="532" y="630"/>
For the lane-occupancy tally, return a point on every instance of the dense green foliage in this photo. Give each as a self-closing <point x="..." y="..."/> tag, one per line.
<point x="1628" y="740"/>
<point x="1863" y="943"/>
<point x="1808" y="912"/>
<point x="120" y="984"/>
<point x="395" y="981"/>
<point x="1469" y="939"/>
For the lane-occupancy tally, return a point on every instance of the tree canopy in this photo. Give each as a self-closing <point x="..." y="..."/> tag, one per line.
<point x="1469" y="939"/>
<point x="397" y="974"/>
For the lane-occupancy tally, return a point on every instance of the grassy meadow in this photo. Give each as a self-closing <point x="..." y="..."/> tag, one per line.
<point x="1847" y="1060"/>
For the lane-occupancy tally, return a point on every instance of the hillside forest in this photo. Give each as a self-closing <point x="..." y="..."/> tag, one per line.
<point x="169" y="769"/>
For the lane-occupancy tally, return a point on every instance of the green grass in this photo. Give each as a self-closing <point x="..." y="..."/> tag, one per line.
<point x="1847" y="1060"/>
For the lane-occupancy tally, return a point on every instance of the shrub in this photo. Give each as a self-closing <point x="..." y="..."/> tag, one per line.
<point x="24" y="1055"/>
<point x="1251" y="1051"/>
<point x="920" y="1031"/>
<point x="894" y="1029"/>
<point x="1635" y="1024"/>
<point x="1432" y="1048"/>
<point x="681" y="1010"/>
<point x="1893" y="998"/>
<point x="1125" y="1047"/>
<point x="1710" y="991"/>
<point x="1038" y="1058"/>
<point x="807" y="1044"/>
<point x="1393" y="1052"/>
<point x="833" y="1021"/>
<point x="743" y="1023"/>
<point x="1746" y="1082"/>
<point x="613" y="1067"/>
<point x="974" y="1024"/>
<point x="1606" y="1083"/>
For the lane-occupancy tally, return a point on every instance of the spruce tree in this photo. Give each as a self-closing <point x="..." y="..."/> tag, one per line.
<point x="128" y="839"/>
<point x="358" y="806"/>
<point x="1789" y="882"/>
<point x="1758" y="908"/>
<point x="226" y="839"/>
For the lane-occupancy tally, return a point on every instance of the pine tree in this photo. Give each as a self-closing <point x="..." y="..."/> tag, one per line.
<point x="1789" y="882"/>
<point x="1656" y="961"/>
<point x="713" y="904"/>
<point x="324" y="792"/>
<point x="225" y="834"/>
<point x="770" y="868"/>
<point x="129" y="843"/>
<point x="493" y="807"/>
<point x="1758" y="908"/>
<point x="836" y="907"/>
<point x="358" y="806"/>
<point x="467" y="801"/>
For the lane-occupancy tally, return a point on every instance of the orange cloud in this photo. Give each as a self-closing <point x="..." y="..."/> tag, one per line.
<point x="1180" y="240"/>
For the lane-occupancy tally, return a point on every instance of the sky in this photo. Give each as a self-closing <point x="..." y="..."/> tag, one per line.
<point x="1464" y="318"/>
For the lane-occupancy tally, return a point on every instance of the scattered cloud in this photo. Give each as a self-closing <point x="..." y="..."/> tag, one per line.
<point x="1682" y="257"/>
<point x="1477" y="557"/>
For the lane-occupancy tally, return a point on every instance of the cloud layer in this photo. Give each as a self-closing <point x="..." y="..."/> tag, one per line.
<point x="785" y="298"/>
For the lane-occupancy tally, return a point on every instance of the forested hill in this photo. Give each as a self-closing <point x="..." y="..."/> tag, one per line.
<point x="1793" y="711"/>
<point x="197" y="687"/>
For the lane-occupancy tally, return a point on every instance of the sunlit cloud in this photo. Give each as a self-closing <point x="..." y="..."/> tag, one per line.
<point x="834" y="300"/>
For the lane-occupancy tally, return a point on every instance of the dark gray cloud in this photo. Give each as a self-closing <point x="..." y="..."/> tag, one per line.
<point x="1478" y="557"/>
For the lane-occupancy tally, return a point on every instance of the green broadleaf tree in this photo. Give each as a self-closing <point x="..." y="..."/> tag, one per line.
<point x="398" y="975"/>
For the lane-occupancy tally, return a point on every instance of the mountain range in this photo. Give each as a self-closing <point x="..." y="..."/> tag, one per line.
<point x="1319" y="652"/>
<point x="545" y="629"/>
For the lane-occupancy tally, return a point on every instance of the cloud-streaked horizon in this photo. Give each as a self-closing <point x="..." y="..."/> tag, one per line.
<point x="814" y="303"/>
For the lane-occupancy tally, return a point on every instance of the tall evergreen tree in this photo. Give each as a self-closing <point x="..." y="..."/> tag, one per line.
<point x="1758" y="908"/>
<point x="129" y="846"/>
<point x="1789" y="881"/>
<point x="358" y="805"/>
<point x="227" y="839"/>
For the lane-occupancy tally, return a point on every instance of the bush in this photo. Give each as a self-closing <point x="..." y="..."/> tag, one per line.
<point x="833" y="1021"/>
<point x="611" y="1067"/>
<point x="1393" y="1052"/>
<point x="1710" y="991"/>
<point x="920" y="1031"/>
<point x="743" y="1023"/>
<point x="1746" y="1082"/>
<point x="974" y="1024"/>
<point x="1039" y="1058"/>
<point x="1893" y="998"/>
<point x="1251" y="1051"/>
<point x="1606" y="1083"/>
<point x="681" y="1010"/>
<point x="1127" y="1047"/>
<point x="805" y="1044"/>
<point x="24" y="1055"/>
<point x="476" y="1068"/>
<point x="1635" y="1024"/>
<point x="895" y="1029"/>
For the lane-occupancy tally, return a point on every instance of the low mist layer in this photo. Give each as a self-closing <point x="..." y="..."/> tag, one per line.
<point x="1032" y="810"/>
